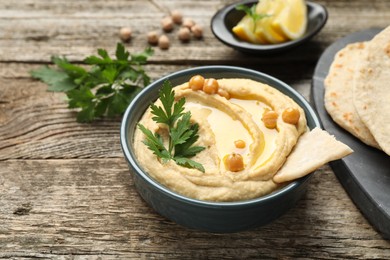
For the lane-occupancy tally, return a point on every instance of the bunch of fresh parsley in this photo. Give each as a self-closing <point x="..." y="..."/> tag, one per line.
<point x="181" y="133"/>
<point x="105" y="89"/>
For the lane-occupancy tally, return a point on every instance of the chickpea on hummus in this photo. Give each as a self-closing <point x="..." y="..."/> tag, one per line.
<point x="248" y="130"/>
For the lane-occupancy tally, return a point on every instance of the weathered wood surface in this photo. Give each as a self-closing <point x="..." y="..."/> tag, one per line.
<point x="65" y="189"/>
<point x="90" y="208"/>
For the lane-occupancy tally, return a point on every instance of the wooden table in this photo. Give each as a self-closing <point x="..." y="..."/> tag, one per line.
<point x="65" y="188"/>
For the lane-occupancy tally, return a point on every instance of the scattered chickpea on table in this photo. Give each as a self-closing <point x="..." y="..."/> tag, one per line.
<point x="125" y="34"/>
<point x="188" y="28"/>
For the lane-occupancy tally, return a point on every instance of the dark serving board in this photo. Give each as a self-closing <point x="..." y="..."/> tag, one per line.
<point x="365" y="174"/>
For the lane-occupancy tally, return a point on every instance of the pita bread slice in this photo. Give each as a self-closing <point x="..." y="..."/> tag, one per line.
<point x="338" y="98"/>
<point x="371" y="89"/>
<point x="314" y="149"/>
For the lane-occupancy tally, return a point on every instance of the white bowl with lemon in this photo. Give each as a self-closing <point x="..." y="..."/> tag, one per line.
<point x="268" y="25"/>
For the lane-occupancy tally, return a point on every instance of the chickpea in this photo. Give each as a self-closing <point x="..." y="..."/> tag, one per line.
<point x="223" y="93"/>
<point x="167" y="24"/>
<point x="210" y="86"/>
<point x="177" y="17"/>
<point x="152" y="37"/>
<point x="125" y="34"/>
<point x="240" y="144"/>
<point x="163" y="42"/>
<point x="234" y="162"/>
<point x="188" y="22"/>
<point x="184" y="34"/>
<point x="197" y="31"/>
<point x="196" y="82"/>
<point x="269" y="119"/>
<point x="291" y="115"/>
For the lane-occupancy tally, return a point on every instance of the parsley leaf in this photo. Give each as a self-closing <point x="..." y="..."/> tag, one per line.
<point x="165" y="114"/>
<point x="182" y="135"/>
<point x="187" y="149"/>
<point x="155" y="143"/>
<point x="105" y="89"/>
<point x="185" y="162"/>
<point x="57" y="80"/>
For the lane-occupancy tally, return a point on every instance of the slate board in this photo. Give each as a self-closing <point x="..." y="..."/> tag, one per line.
<point x="365" y="174"/>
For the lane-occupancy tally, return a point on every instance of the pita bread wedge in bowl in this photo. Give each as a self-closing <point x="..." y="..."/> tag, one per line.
<point x="357" y="93"/>
<point x="236" y="198"/>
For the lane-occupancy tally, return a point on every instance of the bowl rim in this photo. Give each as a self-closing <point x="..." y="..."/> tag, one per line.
<point x="219" y="19"/>
<point x="125" y="139"/>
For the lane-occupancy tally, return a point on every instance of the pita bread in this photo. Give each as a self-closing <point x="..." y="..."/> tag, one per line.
<point x="338" y="93"/>
<point x="371" y="88"/>
<point x="313" y="150"/>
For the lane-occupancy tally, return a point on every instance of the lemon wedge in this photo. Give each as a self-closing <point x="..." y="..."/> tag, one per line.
<point x="286" y="20"/>
<point x="244" y="30"/>
<point x="264" y="27"/>
<point x="292" y="21"/>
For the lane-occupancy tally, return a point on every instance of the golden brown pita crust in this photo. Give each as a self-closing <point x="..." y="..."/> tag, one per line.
<point x="338" y="93"/>
<point x="371" y="88"/>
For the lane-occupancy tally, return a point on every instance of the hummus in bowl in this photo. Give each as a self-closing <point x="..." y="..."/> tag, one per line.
<point x="231" y="121"/>
<point x="223" y="123"/>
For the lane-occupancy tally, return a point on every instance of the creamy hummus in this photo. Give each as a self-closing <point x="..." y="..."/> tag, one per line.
<point x="221" y="122"/>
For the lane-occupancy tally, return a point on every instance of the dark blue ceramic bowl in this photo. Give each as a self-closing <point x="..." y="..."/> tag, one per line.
<point x="204" y="215"/>
<point x="226" y="18"/>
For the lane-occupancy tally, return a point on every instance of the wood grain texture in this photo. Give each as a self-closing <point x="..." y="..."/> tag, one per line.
<point x="91" y="208"/>
<point x="75" y="28"/>
<point x="65" y="189"/>
<point x="36" y="124"/>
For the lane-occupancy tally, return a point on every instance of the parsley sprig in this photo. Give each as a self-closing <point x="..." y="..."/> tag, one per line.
<point x="105" y="89"/>
<point x="181" y="133"/>
<point x="251" y="12"/>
